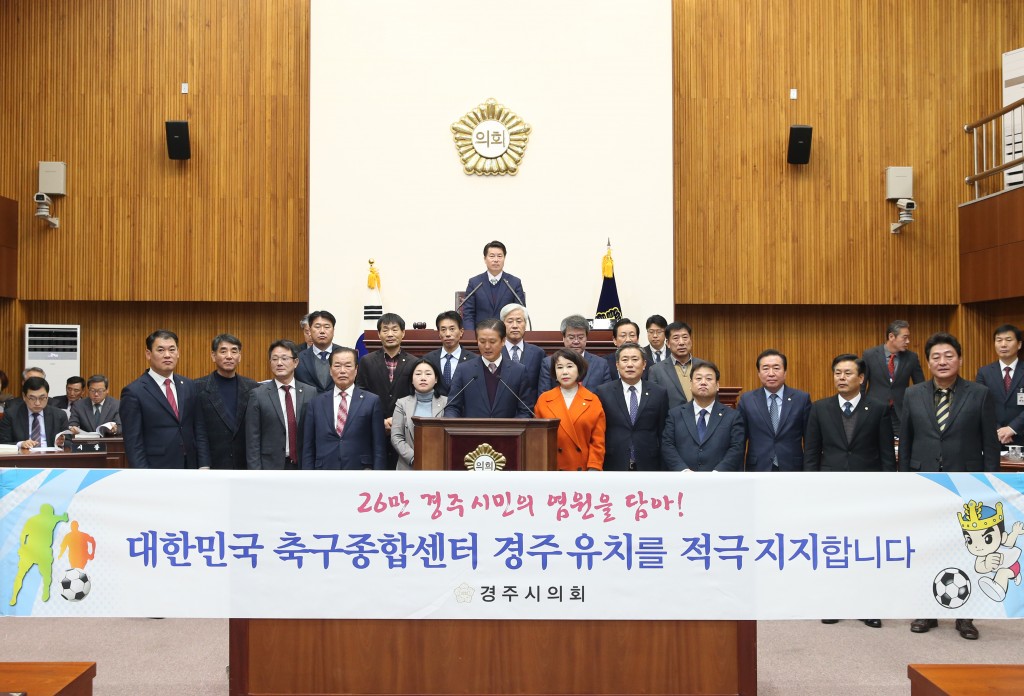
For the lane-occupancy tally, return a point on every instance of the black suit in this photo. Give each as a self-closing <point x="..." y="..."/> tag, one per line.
<point x="644" y="436"/>
<point x="436" y="358"/>
<point x="154" y="438"/>
<point x="15" y="428"/>
<point x="722" y="446"/>
<point x="226" y="437"/>
<point x="373" y="377"/>
<point x="1008" y="413"/>
<point x="969" y="442"/>
<point x="876" y="378"/>
<point x="310" y="369"/>
<point x="826" y="447"/>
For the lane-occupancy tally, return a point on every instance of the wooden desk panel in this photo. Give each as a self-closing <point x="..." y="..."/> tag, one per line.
<point x="48" y="678"/>
<point x="966" y="680"/>
<point x="56" y="460"/>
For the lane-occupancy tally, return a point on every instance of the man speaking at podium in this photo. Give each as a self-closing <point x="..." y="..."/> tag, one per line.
<point x="488" y="292"/>
<point x="491" y="387"/>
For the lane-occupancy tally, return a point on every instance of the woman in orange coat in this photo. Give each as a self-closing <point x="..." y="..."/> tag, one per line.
<point x="582" y="424"/>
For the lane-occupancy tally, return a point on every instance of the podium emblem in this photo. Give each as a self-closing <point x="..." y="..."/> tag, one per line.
<point x="491" y="140"/>
<point x="485" y="458"/>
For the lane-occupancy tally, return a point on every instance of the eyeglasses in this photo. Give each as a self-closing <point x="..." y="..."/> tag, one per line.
<point x="97" y="392"/>
<point x="281" y="358"/>
<point x="37" y="399"/>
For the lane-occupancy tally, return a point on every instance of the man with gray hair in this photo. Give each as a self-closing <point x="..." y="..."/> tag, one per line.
<point x="100" y="410"/>
<point x="889" y="369"/>
<point x="516" y="317"/>
<point x="307" y="333"/>
<point x="575" y="330"/>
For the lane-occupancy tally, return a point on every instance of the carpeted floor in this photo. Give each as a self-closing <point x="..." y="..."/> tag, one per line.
<point x="188" y="657"/>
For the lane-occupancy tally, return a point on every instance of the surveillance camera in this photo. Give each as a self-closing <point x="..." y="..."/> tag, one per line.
<point x="906" y="204"/>
<point x="42" y="204"/>
<point x="42" y="198"/>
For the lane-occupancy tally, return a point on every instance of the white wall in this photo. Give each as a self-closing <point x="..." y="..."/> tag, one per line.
<point x="388" y="78"/>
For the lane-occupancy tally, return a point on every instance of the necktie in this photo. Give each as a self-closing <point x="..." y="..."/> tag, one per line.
<point x="171" y="399"/>
<point x="293" y="427"/>
<point x="492" y="367"/>
<point x="494" y="281"/>
<point x="515" y="354"/>
<point x="634" y="404"/>
<point x="847" y="408"/>
<point x="324" y="355"/>
<point x="657" y="356"/>
<point x="96" y="415"/>
<point x="37" y="431"/>
<point x="702" y="424"/>
<point x="942" y="410"/>
<point x="892" y="366"/>
<point x="773" y="411"/>
<point x="1006" y="380"/>
<point x="447" y="374"/>
<point x="342" y="413"/>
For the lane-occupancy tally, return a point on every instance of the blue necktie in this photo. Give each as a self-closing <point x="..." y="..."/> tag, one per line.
<point x="515" y="353"/>
<point x="447" y="374"/>
<point x="847" y="408"/>
<point x="634" y="404"/>
<point x="773" y="411"/>
<point x="702" y="425"/>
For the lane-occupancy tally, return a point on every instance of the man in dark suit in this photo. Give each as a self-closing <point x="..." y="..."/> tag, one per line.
<point x="488" y="292"/>
<point x="624" y="330"/>
<point x="450" y="355"/>
<point x="704" y="434"/>
<point x="223" y="397"/>
<point x="344" y="428"/>
<point x="674" y="374"/>
<point x="655" y="351"/>
<point x="516" y="317"/>
<point x="775" y="417"/>
<point x="100" y="413"/>
<point x="574" y="337"/>
<point x="388" y="372"/>
<point x="851" y="432"/>
<point x="73" y="391"/>
<point x="889" y="369"/>
<point x="160" y="413"/>
<point x="948" y="424"/>
<point x="276" y="411"/>
<point x="491" y="387"/>
<point x="32" y="422"/>
<point x="314" y="363"/>
<point x="1006" y="384"/>
<point x="634" y="411"/>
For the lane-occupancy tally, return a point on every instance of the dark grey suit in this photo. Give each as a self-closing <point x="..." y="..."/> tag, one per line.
<point x="532" y="358"/>
<point x="623" y="437"/>
<point x="15" y="428"/>
<point x="1007" y="411"/>
<point x="226" y="437"/>
<point x="597" y="373"/>
<point x="876" y="378"/>
<point x="826" y="447"/>
<point x="721" y="449"/>
<point x="266" y="436"/>
<point x="968" y="443"/>
<point x="436" y="358"/>
<point x="82" y="414"/>
<point x="314" y="371"/>
<point x="664" y="374"/>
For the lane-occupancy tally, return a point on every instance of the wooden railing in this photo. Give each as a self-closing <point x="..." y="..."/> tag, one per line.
<point x="1002" y="137"/>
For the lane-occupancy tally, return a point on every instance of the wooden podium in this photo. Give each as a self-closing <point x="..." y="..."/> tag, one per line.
<point x="525" y="444"/>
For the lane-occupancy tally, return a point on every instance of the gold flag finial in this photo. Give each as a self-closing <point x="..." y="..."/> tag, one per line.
<point x="607" y="265"/>
<point x="373" y="280"/>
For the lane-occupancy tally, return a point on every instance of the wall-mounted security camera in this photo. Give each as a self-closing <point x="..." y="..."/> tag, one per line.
<point x="43" y="203"/>
<point x="906" y="204"/>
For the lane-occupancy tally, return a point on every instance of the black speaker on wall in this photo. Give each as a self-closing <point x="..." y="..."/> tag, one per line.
<point x="799" y="145"/>
<point x="178" y="147"/>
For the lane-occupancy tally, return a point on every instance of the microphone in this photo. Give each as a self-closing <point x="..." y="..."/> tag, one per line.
<point x="458" y="393"/>
<point x="529" y="323"/>
<point x="514" y="394"/>
<point x="471" y="292"/>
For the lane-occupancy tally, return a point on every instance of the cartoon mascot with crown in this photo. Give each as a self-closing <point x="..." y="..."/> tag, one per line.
<point x="998" y="556"/>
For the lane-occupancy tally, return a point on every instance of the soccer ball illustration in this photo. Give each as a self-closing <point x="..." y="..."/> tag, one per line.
<point x="75" y="585"/>
<point x="952" y="588"/>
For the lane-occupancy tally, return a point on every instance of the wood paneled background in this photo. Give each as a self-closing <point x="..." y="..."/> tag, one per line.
<point x="766" y="253"/>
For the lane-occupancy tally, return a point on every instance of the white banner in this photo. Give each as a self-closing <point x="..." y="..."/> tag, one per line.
<point x="444" y="545"/>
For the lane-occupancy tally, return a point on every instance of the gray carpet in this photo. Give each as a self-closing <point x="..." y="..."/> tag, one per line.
<point x="188" y="657"/>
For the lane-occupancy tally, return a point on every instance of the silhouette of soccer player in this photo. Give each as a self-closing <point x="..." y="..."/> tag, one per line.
<point x="37" y="549"/>
<point x="77" y="543"/>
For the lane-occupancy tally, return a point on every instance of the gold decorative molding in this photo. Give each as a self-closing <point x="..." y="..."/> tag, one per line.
<point x="491" y="140"/>
<point x="485" y="458"/>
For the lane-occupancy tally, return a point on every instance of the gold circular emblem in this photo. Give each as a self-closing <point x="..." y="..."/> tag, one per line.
<point x="491" y="140"/>
<point x="485" y="458"/>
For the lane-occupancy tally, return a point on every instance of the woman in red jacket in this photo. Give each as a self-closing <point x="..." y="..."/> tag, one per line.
<point x="582" y="424"/>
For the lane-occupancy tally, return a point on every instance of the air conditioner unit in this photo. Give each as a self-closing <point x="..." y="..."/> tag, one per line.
<point x="57" y="349"/>
<point x="1013" y="122"/>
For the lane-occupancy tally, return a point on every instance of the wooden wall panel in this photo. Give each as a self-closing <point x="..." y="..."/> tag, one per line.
<point x="8" y="247"/>
<point x="10" y="342"/>
<point x="883" y="84"/>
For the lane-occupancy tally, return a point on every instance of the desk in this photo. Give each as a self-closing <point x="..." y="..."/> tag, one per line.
<point x="55" y="460"/>
<point x="48" y="678"/>
<point x="1006" y="466"/>
<point x="115" y="450"/>
<point x="965" y="680"/>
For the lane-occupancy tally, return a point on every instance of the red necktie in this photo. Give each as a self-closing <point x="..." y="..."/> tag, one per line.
<point x="892" y="366"/>
<point x="289" y="413"/>
<point x="342" y="413"/>
<point x="1006" y="380"/>
<point x="171" y="399"/>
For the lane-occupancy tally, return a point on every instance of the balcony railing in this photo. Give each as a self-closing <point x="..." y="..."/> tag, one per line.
<point x="998" y="137"/>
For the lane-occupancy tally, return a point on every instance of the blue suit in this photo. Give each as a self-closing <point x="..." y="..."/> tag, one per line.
<point x="597" y="373"/>
<point x="153" y="437"/>
<point x="487" y="301"/>
<point x="531" y="357"/>
<point x="720" y="450"/>
<point x="474" y="401"/>
<point x="362" y="445"/>
<point x="763" y="442"/>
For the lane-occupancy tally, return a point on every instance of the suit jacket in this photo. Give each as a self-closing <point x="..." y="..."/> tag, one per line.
<point x="597" y="373"/>
<point x="227" y="440"/>
<point x="581" y="428"/>
<point x="14" y="424"/>
<point x="876" y="377"/>
<point x="763" y="443"/>
<point x="642" y="437"/>
<point x="532" y="358"/>
<point x="435" y="357"/>
<point x="1007" y="410"/>
<point x="153" y="437"/>
<point x="826" y="447"/>
<point x="362" y="445"/>
<point x="664" y="374"/>
<point x="81" y="414"/>
<point x="486" y="303"/>
<point x="403" y="431"/>
<point x="473" y="401"/>
<point x="969" y="442"/>
<point x="649" y="355"/>
<point x="721" y="449"/>
<point x="308" y="373"/>
<point x="60" y="402"/>
<point x="266" y="428"/>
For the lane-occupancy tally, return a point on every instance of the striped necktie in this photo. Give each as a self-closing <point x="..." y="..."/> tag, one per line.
<point x="942" y="410"/>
